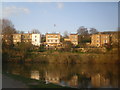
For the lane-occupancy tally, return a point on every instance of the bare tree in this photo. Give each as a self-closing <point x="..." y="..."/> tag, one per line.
<point x="93" y="31"/>
<point x="82" y="30"/>
<point x="7" y="31"/>
<point x="36" y="31"/>
<point x="7" y="27"/>
<point x="65" y="34"/>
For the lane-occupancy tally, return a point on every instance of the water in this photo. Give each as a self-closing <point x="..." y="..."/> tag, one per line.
<point x="76" y="75"/>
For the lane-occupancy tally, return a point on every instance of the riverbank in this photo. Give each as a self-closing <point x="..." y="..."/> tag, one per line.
<point x="69" y="58"/>
<point x="16" y="81"/>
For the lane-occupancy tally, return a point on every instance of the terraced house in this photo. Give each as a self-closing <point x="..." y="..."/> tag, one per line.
<point x="34" y="39"/>
<point x="98" y="40"/>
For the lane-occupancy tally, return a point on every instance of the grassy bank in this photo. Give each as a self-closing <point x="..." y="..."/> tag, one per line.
<point x="73" y="58"/>
<point x="31" y="83"/>
<point x="68" y="58"/>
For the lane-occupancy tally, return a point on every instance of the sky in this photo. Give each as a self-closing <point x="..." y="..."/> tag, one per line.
<point x="67" y="16"/>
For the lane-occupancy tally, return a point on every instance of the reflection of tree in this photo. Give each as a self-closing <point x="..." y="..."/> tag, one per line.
<point x="70" y="74"/>
<point x="83" y="81"/>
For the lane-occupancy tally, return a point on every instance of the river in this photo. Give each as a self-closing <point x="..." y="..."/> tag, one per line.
<point x="72" y="75"/>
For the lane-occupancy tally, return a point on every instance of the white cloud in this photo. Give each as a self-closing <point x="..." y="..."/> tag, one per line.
<point x="13" y="10"/>
<point x="60" y="5"/>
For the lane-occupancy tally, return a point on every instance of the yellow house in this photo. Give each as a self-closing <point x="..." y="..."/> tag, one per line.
<point x="53" y="39"/>
<point x="74" y="39"/>
<point x="98" y="40"/>
<point x="16" y="38"/>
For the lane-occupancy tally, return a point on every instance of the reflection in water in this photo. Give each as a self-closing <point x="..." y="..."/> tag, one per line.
<point x="73" y="81"/>
<point x="78" y="75"/>
<point x="35" y="75"/>
<point x="52" y="77"/>
<point x="100" y="81"/>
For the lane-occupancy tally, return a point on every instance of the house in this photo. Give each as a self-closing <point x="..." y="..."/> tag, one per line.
<point x="34" y="39"/>
<point x="98" y="40"/>
<point x="16" y="38"/>
<point x="7" y="38"/>
<point x="53" y="39"/>
<point x="73" y="38"/>
<point x="114" y="36"/>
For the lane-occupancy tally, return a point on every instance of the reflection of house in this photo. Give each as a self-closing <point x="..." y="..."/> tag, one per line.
<point x="53" y="39"/>
<point x="74" y="81"/>
<point x="99" y="81"/>
<point x="99" y="40"/>
<point x="73" y="38"/>
<point x="35" y="75"/>
<point x="52" y="77"/>
<point x="34" y="39"/>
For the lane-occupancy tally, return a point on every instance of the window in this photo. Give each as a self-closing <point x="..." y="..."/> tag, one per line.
<point x="35" y="40"/>
<point x="35" y="36"/>
<point x="97" y="44"/>
<point x="97" y="36"/>
<point x="56" y="36"/>
<point x="51" y="40"/>
<point x="105" y="41"/>
<point x="48" y="40"/>
<point x="55" y="40"/>
<point x="97" y="40"/>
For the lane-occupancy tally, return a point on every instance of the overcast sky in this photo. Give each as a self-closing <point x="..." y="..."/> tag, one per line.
<point x="68" y="16"/>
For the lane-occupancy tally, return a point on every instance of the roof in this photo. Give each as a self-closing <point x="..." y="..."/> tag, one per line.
<point x="73" y="34"/>
<point x="52" y="33"/>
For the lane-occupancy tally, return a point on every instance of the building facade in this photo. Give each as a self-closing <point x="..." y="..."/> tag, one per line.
<point x="34" y="39"/>
<point x="7" y="38"/>
<point x="98" y="40"/>
<point x="53" y="39"/>
<point x="74" y="39"/>
<point x="16" y="38"/>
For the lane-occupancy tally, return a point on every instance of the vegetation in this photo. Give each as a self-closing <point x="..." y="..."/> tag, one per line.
<point x="82" y="31"/>
<point x="69" y="53"/>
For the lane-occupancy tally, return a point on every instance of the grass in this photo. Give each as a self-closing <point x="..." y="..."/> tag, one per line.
<point x="32" y="83"/>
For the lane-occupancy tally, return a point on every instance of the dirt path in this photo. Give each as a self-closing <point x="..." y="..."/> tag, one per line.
<point x="8" y="82"/>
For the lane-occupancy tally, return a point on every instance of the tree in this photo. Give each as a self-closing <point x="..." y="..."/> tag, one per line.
<point x="42" y="48"/>
<point x="24" y="49"/>
<point x="67" y="45"/>
<point x="65" y="34"/>
<point x="36" y="31"/>
<point x="43" y="38"/>
<point x="61" y="39"/>
<point x="7" y="27"/>
<point x="93" y="31"/>
<point x="82" y="31"/>
<point x="7" y="31"/>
